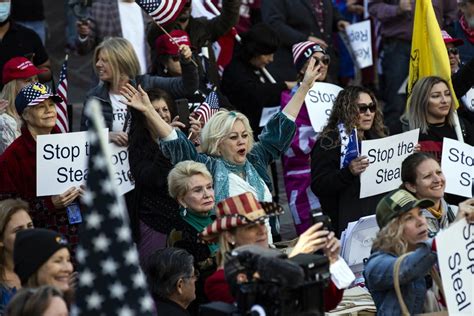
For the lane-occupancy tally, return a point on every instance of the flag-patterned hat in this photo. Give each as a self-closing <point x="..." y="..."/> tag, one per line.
<point x="33" y="94"/>
<point x="237" y="211"/>
<point x="303" y="51"/>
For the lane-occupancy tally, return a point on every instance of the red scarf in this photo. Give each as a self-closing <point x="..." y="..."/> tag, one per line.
<point x="465" y="27"/>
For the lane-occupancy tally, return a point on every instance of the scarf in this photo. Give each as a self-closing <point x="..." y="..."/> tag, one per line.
<point x="349" y="145"/>
<point x="223" y="168"/>
<point x="467" y="31"/>
<point x="199" y="222"/>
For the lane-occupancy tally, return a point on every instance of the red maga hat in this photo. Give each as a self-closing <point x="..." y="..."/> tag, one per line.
<point x="19" y="68"/>
<point x="165" y="46"/>
<point x="448" y="39"/>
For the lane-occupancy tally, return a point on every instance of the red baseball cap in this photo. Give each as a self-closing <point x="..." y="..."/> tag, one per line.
<point x="19" y="68"/>
<point x="448" y="39"/>
<point x="165" y="46"/>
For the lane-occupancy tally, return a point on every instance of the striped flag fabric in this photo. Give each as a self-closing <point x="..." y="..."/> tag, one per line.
<point x="163" y="12"/>
<point x="208" y="108"/>
<point x="61" y="108"/>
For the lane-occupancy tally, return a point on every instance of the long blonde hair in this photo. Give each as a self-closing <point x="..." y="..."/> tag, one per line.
<point x="390" y="238"/>
<point x="121" y="56"/>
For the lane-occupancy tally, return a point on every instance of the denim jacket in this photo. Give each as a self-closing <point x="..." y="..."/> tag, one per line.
<point x="379" y="279"/>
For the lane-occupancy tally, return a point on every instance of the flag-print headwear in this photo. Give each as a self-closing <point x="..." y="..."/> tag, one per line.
<point x="239" y="211"/>
<point x="303" y="51"/>
<point x="33" y="94"/>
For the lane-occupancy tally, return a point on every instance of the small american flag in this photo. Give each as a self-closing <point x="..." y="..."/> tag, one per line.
<point x="208" y="108"/>
<point x="62" y="120"/>
<point x="109" y="280"/>
<point x="162" y="11"/>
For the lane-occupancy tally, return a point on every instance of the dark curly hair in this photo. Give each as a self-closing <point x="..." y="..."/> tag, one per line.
<point x="345" y="110"/>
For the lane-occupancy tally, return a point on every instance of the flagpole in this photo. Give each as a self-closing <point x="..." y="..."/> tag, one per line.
<point x="457" y="126"/>
<point x="199" y="118"/>
<point x="172" y="39"/>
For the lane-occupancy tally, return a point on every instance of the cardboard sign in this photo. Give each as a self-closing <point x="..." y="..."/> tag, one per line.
<point x="457" y="163"/>
<point x="385" y="157"/>
<point x="360" y="40"/>
<point x="455" y="247"/>
<point x="61" y="163"/>
<point x="319" y="101"/>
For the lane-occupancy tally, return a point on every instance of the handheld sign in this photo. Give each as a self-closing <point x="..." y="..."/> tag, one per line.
<point x="319" y="101"/>
<point x="361" y="42"/>
<point x="455" y="247"/>
<point x="61" y="163"/>
<point x="457" y="163"/>
<point x="385" y="158"/>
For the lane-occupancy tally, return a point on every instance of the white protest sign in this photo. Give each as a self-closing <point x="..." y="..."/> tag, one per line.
<point x="457" y="163"/>
<point x="267" y="113"/>
<point x="61" y="163"/>
<point x="319" y="101"/>
<point x="361" y="42"/>
<point x="455" y="247"/>
<point x="468" y="99"/>
<point x="385" y="157"/>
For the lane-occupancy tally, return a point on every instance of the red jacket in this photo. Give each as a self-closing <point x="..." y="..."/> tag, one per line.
<point x="18" y="180"/>
<point x="217" y="289"/>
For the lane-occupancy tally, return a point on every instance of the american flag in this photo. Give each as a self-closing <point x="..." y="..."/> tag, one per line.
<point x="208" y="108"/>
<point x="162" y="11"/>
<point x="110" y="281"/>
<point x="62" y="120"/>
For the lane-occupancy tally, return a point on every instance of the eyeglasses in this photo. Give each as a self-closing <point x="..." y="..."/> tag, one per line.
<point x="453" y="50"/>
<point x="364" y="107"/>
<point x="325" y="60"/>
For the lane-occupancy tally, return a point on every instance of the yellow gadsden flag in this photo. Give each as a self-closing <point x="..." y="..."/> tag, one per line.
<point x="429" y="56"/>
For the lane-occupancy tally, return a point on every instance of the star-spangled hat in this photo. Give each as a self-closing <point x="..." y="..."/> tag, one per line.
<point x="33" y="94"/>
<point x="237" y="211"/>
<point x="303" y="51"/>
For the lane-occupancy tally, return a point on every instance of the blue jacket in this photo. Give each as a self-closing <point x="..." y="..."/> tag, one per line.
<point x="379" y="279"/>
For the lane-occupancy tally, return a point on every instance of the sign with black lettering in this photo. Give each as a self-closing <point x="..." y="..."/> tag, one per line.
<point x="361" y="42"/>
<point x="455" y="247"/>
<point x="319" y="101"/>
<point x="385" y="157"/>
<point x="457" y="163"/>
<point x="61" y="163"/>
<point x="468" y="100"/>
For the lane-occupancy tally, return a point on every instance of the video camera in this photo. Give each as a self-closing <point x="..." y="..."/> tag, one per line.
<point x="266" y="282"/>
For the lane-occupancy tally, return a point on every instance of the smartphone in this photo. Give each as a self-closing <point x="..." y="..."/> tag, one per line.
<point x="183" y="112"/>
<point x="317" y="216"/>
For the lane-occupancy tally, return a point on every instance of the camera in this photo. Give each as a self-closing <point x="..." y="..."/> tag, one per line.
<point x="266" y="282"/>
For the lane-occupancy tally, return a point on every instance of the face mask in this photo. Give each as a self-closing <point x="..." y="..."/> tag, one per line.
<point x="4" y="11"/>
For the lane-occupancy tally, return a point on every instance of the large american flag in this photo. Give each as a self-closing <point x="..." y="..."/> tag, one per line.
<point x="208" y="108"/>
<point x="162" y="11"/>
<point x="110" y="281"/>
<point x="62" y="120"/>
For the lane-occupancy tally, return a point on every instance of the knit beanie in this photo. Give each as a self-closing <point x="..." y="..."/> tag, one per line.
<point x="303" y="51"/>
<point x="32" y="248"/>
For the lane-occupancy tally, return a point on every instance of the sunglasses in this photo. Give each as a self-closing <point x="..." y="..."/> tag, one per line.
<point x="453" y="50"/>
<point x="325" y="60"/>
<point x="364" y="107"/>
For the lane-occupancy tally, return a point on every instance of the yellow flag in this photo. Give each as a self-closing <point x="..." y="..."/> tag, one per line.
<point x="429" y="56"/>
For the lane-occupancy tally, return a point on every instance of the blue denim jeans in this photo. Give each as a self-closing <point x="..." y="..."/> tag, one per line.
<point x="395" y="65"/>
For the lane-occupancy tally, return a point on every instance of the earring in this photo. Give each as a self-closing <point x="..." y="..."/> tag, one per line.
<point x="232" y="242"/>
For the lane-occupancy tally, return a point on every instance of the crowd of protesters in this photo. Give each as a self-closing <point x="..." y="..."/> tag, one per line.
<point x="207" y="185"/>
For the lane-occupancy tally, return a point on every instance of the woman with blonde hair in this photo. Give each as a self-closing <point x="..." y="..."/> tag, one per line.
<point x="116" y="64"/>
<point x="403" y="231"/>
<point x="431" y="109"/>
<point x="13" y="218"/>
<point x="17" y="73"/>
<point x="190" y="183"/>
<point x="228" y="150"/>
